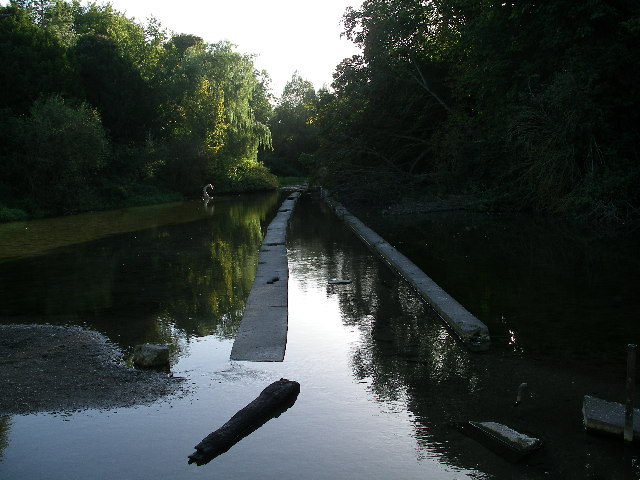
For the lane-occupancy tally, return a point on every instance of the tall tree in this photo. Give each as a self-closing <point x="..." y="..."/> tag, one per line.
<point x="33" y="60"/>
<point x="518" y="100"/>
<point x="113" y="85"/>
<point x="293" y="128"/>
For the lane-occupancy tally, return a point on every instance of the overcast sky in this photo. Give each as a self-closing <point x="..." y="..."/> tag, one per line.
<point x="286" y="35"/>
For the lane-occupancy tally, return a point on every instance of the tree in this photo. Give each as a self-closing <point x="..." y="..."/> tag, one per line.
<point x="390" y="100"/>
<point x="140" y="45"/>
<point x="209" y="96"/>
<point x="293" y="128"/>
<point x="58" y="151"/>
<point x="33" y="61"/>
<point x="166" y="112"/>
<point x="113" y="85"/>
<point x="518" y="101"/>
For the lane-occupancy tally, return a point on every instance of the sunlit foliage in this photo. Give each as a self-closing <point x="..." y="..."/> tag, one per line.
<point x="294" y="130"/>
<point x="175" y="112"/>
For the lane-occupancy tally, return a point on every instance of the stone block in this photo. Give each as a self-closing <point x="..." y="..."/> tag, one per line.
<point x="149" y="355"/>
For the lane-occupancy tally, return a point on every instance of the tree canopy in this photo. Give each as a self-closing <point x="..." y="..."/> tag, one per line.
<point x="293" y="129"/>
<point x="531" y="104"/>
<point x="158" y="111"/>
<point x="520" y="105"/>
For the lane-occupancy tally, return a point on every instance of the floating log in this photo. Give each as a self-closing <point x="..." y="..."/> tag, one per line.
<point x="273" y="401"/>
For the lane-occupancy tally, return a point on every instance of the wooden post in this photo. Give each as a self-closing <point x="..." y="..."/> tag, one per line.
<point x="631" y="383"/>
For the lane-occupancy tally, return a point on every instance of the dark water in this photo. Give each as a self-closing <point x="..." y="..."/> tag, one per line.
<point x="545" y="288"/>
<point x="383" y="384"/>
<point x="137" y="275"/>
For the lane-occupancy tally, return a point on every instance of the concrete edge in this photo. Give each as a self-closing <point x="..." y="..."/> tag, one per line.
<point x="262" y="334"/>
<point x="473" y="333"/>
<point x="607" y="417"/>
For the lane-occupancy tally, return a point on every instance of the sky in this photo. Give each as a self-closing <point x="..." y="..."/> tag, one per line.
<point x="285" y="35"/>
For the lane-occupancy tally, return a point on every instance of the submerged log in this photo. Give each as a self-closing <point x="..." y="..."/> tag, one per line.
<point x="273" y="401"/>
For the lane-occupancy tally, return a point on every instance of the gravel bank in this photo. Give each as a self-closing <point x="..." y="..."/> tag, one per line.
<point x="46" y="368"/>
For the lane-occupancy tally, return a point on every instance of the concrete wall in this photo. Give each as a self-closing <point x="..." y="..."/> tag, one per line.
<point x="262" y="335"/>
<point x="473" y="333"/>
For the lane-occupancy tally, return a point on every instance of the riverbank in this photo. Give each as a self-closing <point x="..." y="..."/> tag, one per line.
<point x="130" y="197"/>
<point x="45" y="368"/>
<point x="397" y="201"/>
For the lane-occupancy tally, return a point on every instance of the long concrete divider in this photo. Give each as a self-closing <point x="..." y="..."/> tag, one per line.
<point x="262" y="335"/>
<point x="467" y="327"/>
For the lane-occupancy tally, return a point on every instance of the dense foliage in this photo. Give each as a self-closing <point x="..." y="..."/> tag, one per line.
<point x="98" y="110"/>
<point x="520" y="105"/>
<point x="526" y="104"/>
<point x="293" y="129"/>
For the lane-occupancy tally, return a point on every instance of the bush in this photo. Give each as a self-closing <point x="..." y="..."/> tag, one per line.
<point x="60" y="150"/>
<point x="11" y="214"/>
<point x="247" y="177"/>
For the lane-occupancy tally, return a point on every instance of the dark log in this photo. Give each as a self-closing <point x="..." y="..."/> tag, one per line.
<point x="273" y="401"/>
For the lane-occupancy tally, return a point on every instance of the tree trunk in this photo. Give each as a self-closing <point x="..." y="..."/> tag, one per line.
<point x="274" y="400"/>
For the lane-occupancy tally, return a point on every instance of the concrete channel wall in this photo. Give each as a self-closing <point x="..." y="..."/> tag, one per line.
<point x="262" y="335"/>
<point x="473" y="333"/>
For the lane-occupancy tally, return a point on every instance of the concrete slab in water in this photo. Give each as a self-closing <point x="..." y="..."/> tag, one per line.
<point x="513" y="438"/>
<point x="262" y="335"/>
<point x="607" y="417"/>
<point x="505" y="441"/>
<point x="467" y="327"/>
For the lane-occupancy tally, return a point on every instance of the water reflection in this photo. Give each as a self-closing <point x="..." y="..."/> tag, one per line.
<point x="383" y="381"/>
<point x="404" y="346"/>
<point x="183" y="274"/>
<point x="209" y="206"/>
<point x="544" y="287"/>
<point x="409" y="361"/>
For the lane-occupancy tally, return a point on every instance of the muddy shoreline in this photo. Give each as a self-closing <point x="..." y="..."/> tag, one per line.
<point x="45" y="368"/>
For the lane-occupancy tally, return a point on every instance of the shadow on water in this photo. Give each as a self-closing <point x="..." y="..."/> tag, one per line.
<point x="405" y="353"/>
<point x="543" y="287"/>
<point x="154" y="274"/>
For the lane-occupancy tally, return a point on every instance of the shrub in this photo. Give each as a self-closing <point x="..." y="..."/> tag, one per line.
<point x="11" y="214"/>
<point x="60" y="150"/>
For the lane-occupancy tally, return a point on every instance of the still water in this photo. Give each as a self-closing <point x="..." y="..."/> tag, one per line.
<point x="544" y="287"/>
<point x="382" y="382"/>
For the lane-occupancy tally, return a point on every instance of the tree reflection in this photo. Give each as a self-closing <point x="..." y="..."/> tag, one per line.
<point x="405" y="351"/>
<point x="409" y="361"/>
<point x="162" y="284"/>
<point x="530" y="279"/>
<point x="5" y="424"/>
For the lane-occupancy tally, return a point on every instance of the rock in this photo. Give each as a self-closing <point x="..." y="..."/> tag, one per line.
<point x="150" y="355"/>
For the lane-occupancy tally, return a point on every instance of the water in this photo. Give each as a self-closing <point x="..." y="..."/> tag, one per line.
<point x="545" y="288"/>
<point x="382" y="381"/>
<point x="137" y="275"/>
